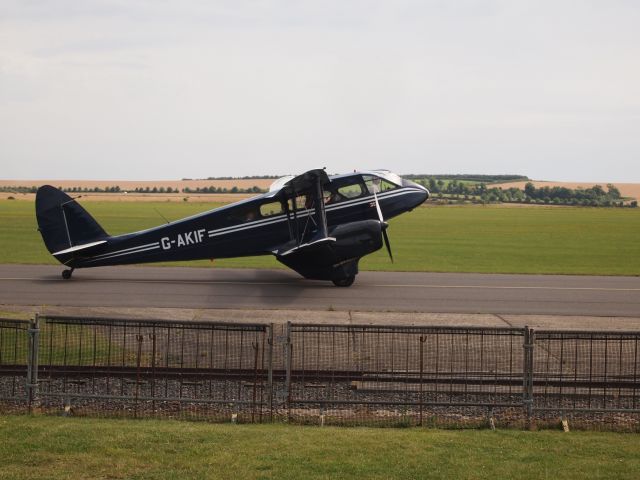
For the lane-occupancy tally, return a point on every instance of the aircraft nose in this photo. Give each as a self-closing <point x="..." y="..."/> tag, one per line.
<point x="421" y="193"/>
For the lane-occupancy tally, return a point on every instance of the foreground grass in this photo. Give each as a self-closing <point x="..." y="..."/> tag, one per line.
<point x="53" y="447"/>
<point x="444" y="239"/>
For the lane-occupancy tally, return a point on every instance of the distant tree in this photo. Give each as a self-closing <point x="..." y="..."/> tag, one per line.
<point x="530" y="190"/>
<point x="613" y="192"/>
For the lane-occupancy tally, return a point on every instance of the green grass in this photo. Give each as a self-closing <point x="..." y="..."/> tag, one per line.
<point x="444" y="239"/>
<point x="61" y="448"/>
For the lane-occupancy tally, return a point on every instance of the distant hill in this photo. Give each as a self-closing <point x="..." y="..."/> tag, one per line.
<point x="247" y="177"/>
<point x="465" y="177"/>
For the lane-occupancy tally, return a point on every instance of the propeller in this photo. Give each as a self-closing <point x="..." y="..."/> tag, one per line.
<point x="384" y="226"/>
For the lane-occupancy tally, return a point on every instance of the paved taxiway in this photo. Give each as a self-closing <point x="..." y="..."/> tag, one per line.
<point x="199" y="288"/>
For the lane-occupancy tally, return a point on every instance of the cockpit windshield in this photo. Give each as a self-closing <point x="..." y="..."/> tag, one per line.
<point x="389" y="176"/>
<point x="378" y="184"/>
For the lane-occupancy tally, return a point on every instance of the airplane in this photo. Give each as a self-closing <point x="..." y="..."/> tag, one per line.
<point x="318" y="225"/>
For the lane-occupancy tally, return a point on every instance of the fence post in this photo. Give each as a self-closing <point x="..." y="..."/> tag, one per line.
<point x="423" y="339"/>
<point x="270" y="371"/>
<point x="528" y="345"/>
<point x="287" y="383"/>
<point x="32" y="363"/>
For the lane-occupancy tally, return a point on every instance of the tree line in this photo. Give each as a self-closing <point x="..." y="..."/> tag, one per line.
<point x="595" y="196"/>
<point x="471" y="177"/>
<point x="447" y="190"/>
<point x="117" y="189"/>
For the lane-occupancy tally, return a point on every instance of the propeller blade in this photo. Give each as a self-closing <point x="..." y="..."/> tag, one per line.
<point x="386" y="242"/>
<point x="383" y="226"/>
<point x="375" y="197"/>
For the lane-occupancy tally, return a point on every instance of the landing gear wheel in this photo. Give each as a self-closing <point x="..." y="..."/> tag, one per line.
<point x="344" y="282"/>
<point x="66" y="274"/>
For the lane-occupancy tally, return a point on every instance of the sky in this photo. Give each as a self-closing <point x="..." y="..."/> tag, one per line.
<point x="151" y="90"/>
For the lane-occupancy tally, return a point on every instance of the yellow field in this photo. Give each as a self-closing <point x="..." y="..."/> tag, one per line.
<point x="130" y="186"/>
<point x="143" y="197"/>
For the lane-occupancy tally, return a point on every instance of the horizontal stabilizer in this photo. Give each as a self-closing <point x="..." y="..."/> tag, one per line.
<point x="86" y="246"/>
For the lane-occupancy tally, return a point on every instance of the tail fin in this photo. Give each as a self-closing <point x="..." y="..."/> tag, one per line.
<point x="62" y="222"/>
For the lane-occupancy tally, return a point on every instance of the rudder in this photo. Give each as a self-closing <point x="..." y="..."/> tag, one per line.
<point x="62" y="221"/>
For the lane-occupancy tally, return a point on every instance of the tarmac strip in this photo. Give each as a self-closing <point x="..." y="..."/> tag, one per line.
<point x="326" y="317"/>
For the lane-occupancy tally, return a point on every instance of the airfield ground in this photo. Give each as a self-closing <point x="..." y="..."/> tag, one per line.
<point x="492" y="239"/>
<point x="479" y="239"/>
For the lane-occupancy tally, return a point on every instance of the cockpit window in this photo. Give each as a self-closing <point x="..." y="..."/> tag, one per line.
<point x="378" y="185"/>
<point x="302" y="202"/>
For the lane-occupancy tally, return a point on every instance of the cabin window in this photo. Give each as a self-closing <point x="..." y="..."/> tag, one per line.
<point x="377" y="184"/>
<point x="351" y="191"/>
<point x="330" y="197"/>
<point x="269" y="209"/>
<point x="245" y="214"/>
<point x="302" y="202"/>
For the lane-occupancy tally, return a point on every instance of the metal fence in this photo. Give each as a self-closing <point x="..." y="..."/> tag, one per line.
<point x="16" y="361"/>
<point x="586" y="371"/>
<point x="319" y="374"/>
<point x="151" y="368"/>
<point x="406" y="375"/>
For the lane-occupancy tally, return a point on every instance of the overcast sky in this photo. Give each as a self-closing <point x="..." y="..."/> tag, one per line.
<point x="170" y="89"/>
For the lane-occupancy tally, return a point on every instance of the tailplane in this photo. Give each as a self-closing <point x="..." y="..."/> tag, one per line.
<point x="64" y="225"/>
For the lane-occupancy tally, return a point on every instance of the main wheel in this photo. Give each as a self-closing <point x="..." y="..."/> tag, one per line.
<point x="344" y="282"/>
<point x="66" y="274"/>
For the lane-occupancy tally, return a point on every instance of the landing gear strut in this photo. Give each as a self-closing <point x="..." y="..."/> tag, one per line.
<point x="66" y="274"/>
<point x="344" y="282"/>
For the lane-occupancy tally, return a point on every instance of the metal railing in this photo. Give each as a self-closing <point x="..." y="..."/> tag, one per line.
<point x="321" y="374"/>
<point x="17" y="359"/>
<point x="365" y="373"/>
<point x="140" y="368"/>
<point x="586" y="371"/>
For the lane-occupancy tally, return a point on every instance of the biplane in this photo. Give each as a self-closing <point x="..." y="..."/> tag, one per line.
<point x="320" y="226"/>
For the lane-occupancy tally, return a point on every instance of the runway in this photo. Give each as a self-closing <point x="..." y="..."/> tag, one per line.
<point x="174" y="287"/>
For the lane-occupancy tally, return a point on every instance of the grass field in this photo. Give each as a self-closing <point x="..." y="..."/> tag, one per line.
<point x="61" y="448"/>
<point x="443" y="239"/>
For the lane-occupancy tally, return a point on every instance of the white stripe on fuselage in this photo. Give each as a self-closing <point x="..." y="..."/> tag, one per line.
<point x="126" y="251"/>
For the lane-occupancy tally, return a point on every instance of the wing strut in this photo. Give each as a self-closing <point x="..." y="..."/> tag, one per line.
<point x="320" y="210"/>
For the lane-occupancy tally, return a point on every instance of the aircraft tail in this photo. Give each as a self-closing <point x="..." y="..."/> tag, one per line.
<point x="64" y="224"/>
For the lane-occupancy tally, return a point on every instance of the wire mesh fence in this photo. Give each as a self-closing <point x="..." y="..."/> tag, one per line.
<point x="402" y="375"/>
<point x="153" y="368"/>
<point x="319" y="374"/>
<point x="14" y="364"/>
<point x="587" y="371"/>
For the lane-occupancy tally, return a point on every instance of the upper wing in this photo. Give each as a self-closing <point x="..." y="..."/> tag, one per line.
<point x="289" y="186"/>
